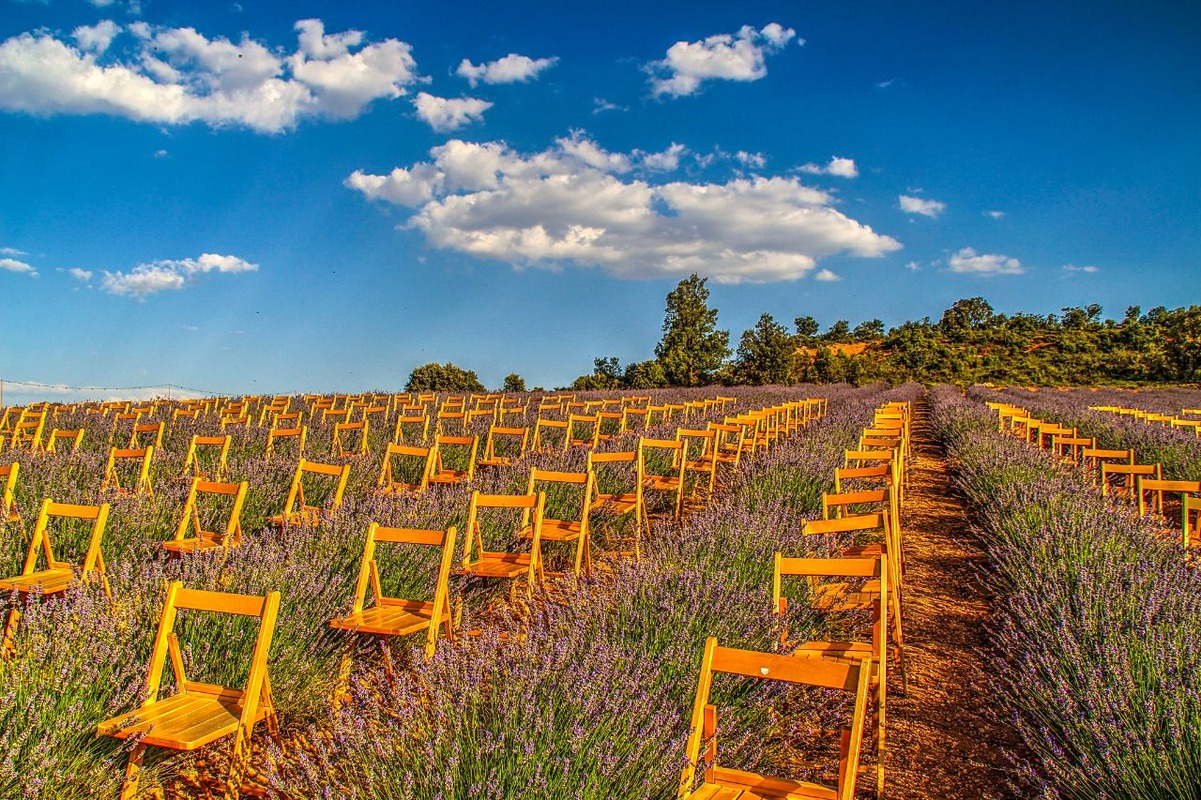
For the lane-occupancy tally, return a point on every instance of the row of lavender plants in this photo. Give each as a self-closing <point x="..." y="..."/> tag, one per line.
<point x="1097" y="624"/>
<point x="639" y="630"/>
<point x="1178" y="450"/>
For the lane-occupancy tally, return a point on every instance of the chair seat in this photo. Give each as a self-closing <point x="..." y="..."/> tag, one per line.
<point x="193" y="545"/>
<point x="182" y="721"/>
<point x="734" y="784"/>
<point x="450" y="476"/>
<point x="397" y="619"/>
<point x="499" y="461"/>
<point x="499" y="565"/>
<point x="615" y="503"/>
<point x="306" y="516"/>
<point x="47" y="581"/>
<point x="555" y="530"/>
<point x="661" y="484"/>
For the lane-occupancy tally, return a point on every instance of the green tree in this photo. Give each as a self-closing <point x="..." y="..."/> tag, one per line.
<point x="434" y="377"/>
<point x="645" y="375"/>
<point x="839" y="333"/>
<point x="868" y="331"/>
<point x="806" y="329"/>
<point x="514" y="384"/>
<point x="765" y="354"/>
<point x="606" y="374"/>
<point x="969" y="314"/>
<point x="692" y="349"/>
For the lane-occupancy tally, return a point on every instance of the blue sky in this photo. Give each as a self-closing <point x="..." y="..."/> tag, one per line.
<point x="308" y="196"/>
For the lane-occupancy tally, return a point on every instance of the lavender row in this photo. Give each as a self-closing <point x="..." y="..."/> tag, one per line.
<point x="1098" y="621"/>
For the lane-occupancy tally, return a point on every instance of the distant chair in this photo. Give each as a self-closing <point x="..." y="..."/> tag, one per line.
<point x="191" y="535"/>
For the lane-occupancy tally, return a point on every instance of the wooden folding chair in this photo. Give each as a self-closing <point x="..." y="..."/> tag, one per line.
<point x="552" y="484"/>
<point x="727" y="444"/>
<point x="235" y="421"/>
<point x="339" y="445"/>
<point x="27" y="430"/>
<point x="200" y="713"/>
<point x="504" y="446"/>
<point x="191" y="535"/>
<point x="112" y="475"/>
<point x="147" y="434"/>
<point x="1127" y="475"/>
<point x="888" y="543"/>
<point x="334" y="415"/>
<point x="544" y="439"/>
<point x="1190" y="519"/>
<point x="276" y="436"/>
<point x="1155" y="487"/>
<point x="840" y="596"/>
<point x="1093" y="457"/>
<point x="620" y="504"/>
<point x="8" y="497"/>
<point x="662" y="467"/>
<point x="1070" y="448"/>
<point x="398" y="616"/>
<point x="70" y="440"/>
<point x="500" y="563"/>
<point x="407" y="427"/>
<point x="287" y="419"/>
<point x="723" y="783"/>
<point x="703" y="457"/>
<point x="450" y="422"/>
<point x="583" y="430"/>
<point x="836" y="504"/>
<point x="463" y="449"/>
<point x="413" y="472"/>
<point x="58" y="576"/>
<point x="193" y="464"/>
<point x="893" y="458"/>
<point x="296" y="510"/>
<point x="632" y="418"/>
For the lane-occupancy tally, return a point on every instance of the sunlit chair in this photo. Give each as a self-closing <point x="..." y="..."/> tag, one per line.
<point x="852" y="676"/>
<point x="200" y="713"/>
<point x="193" y="463"/>
<point x="411" y="429"/>
<point x="147" y="434"/>
<point x="58" y="576"/>
<point x="481" y="562"/>
<point x="583" y="430"/>
<point x="349" y="438"/>
<point x="545" y="439"/>
<point x="662" y="468"/>
<point x="297" y="510"/>
<point x="625" y="502"/>
<point x="8" y="498"/>
<point x="277" y="436"/>
<point x="454" y="459"/>
<point x="560" y="489"/>
<point x="504" y="446"/>
<point x="191" y="535"/>
<point x="406" y="469"/>
<point x="702" y="458"/>
<point x="64" y="441"/>
<point x="139" y="460"/>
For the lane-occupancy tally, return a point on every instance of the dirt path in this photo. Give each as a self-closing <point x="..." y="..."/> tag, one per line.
<point x="942" y="742"/>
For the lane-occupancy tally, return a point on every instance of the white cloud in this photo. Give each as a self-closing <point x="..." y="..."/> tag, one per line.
<point x="12" y="251"/>
<point x="733" y="57"/>
<point x="160" y="276"/>
<point x="572" y="205"/>
<point x="447" y="114"/>
<point x="601" y="105"/>
<point x="513" y="68"/>
<point x="839" y="167"/>
<point x="96" y="38"/>
<point x="1072" y="269"/>
<point x="175" y="76"/>
<point x="751" y="160"/>
<point x="918" y="205"/>
<point x="994" y="214"/>
<point x="663" y="161"/>
<point x="826" y="276"/>
<point x="968" y="261"/>
<point x="13" y="265"/>
<point x="913" y="266"/>
<point x="81" y="275"/>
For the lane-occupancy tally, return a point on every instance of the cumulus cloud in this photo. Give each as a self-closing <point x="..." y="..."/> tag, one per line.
<point x="96" y="38"/>
<point x="968" y="262"/>
<point x="160" y="276"/>
<point x="826" y="276"/>
<point x="176" y="76"/>
<point x="663" y="161"/>
<point x="994" y="214"/>
<point x="447" y="114"/>
<point x="81" y="275"/>
<point x="918" y="205"/>
<point x="600" y="105"/>
<point x="733" y="57"/>
<point x="575" y="204"/>
<point x="839" y="167"/>
<point x="12" y="251"/>
<point x="751" y="160"/>
<point x="513" y="68"/>
<point x="13" y="265"/>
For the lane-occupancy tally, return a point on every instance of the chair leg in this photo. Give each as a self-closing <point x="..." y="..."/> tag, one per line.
<point x="129" y="788"/>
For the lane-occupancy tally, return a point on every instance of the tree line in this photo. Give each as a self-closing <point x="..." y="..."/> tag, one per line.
<point x="970" y="343"/>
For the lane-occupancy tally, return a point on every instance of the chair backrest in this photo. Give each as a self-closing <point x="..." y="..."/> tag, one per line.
<point x="192" y="461"/>
<point x="586" y="480"/>
<point x="296" y="501"/>
<point x="369" y="571"/>
<point x="852" y="676"/>
<point x="41" y="543"/>
<point x="516" y="439"/>
<point x="345" y="432"/>
<point x="532" y="504"/>
<point x="583" y="430"/>
<point x="228" y="534"/>
<point x="407" y="425"/>
<point x="391" y="479"/>
<point x="258" y="685"/>
<point x="652" y="451"/>
<point x="150" y="432"/>
<point x="542" y="435"/>
<point x="8" y="498"/>
<point x="112" y="476"/>
<point x="449" y="421"/>
<point x="276" y="435"/>
<point x="443" y="445"/>
<point x="1129" y="473"/>
<point x="74" y="438"/>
